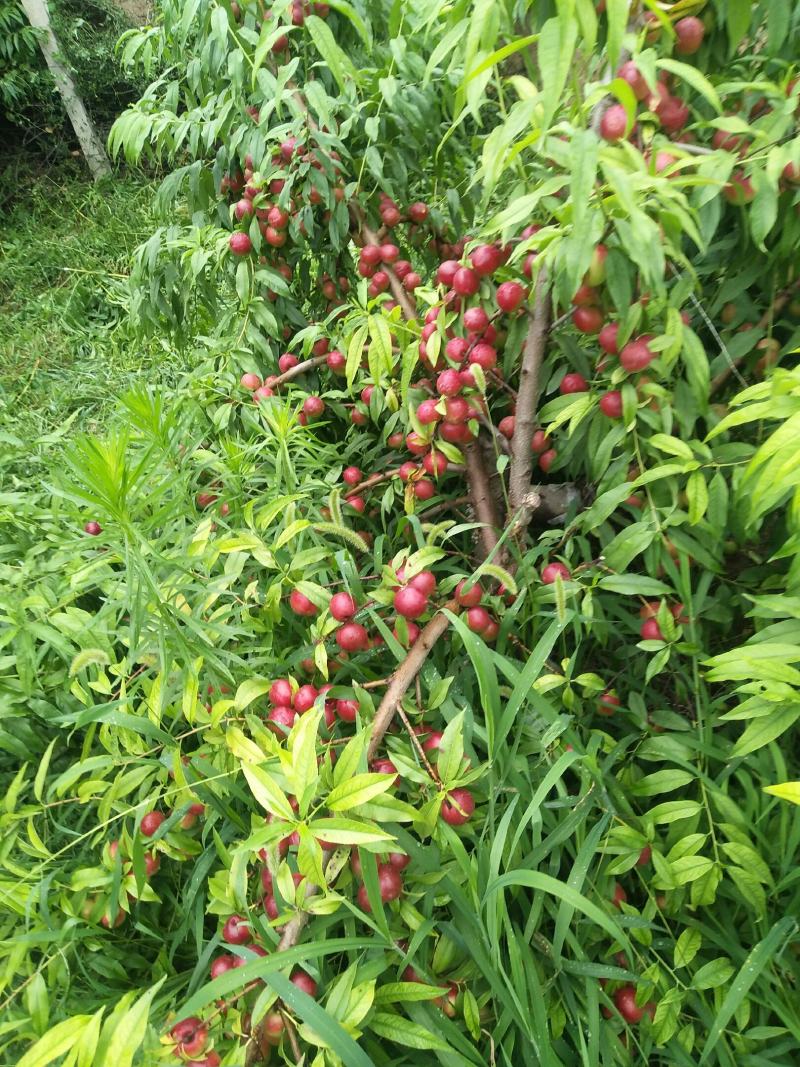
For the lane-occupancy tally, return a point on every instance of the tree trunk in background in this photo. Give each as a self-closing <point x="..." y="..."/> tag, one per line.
<point x="90" y="142"/>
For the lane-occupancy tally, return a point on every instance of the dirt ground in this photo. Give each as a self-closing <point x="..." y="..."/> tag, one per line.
<point x="138" y="11"/>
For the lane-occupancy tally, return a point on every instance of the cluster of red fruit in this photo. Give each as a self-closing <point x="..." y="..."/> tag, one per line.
<point x="265" y="201"/>
<point x="299" y="12"/>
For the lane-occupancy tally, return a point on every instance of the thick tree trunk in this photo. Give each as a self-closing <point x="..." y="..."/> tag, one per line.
<point x="90" y="143"/>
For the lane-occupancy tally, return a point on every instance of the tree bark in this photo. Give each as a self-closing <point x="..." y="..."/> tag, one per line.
<point x="90" y="142"/>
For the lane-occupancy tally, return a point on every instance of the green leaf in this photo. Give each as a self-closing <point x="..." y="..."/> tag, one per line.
<point x="752" y="967"/>
<point x="634" y="585"/>
<point x="694" y="77"/>
<point x="338" y="62"/>
<point x="360" y="789"/>
<point x="363" y="29"/>
<point x="713" y="974"/>
<point x="267" y="792"/>
<point x="697" y="493"/>
<point x="617" y="18"/>
<point x="249" y="691"/>
<point x="765" y="729"/>
<point x="355" y="351"/>
<point x="786" y="791"/>
<point x="738" y="14"/>
<point x="130" y="1030"/>
<point x="403" y="1032"/>
<point x="554" y="53"/>
<point x="686" y="947"/>
<point x="629" y="543"/>
<point x="56" y="1042"/>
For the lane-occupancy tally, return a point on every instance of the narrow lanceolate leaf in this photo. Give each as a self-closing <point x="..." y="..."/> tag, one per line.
<point x="786" y="791"/>
<point x="360" y="789"/>
<point x="267" y="792"/>
<point x="56" y="1042"/>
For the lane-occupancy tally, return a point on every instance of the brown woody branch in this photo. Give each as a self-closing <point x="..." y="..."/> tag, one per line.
<point x="775" y="308"/>
<point x="297" y="370"/>
<point x="519" y="483"/>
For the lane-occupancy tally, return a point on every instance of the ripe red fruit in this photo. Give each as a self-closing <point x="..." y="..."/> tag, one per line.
<point x="351" y="476"/>
<point x="313" y="406"/>
<point x="416" y="444"/>
<point x="455" y="433"/>
<point x="249" y="380"/>
<point x="609" y="702"/>
<point x="449" y="383"/>
<point x="352" y="637"/>
<point x="370" y="254"/>
<point x="424" y="582"/>
<point x="342" y="606"/>
<point x="478" y="619"/>
<point x="347" y="710"/>
<point x="457" y="348"/>
<point x="613" y="123"/>
<point x="433" y="742"/>
<point x="262" y="393"/>
<point x="390" y="253"/>
<point x="547" y="459"/>
<point x="644" y="856"/>
<point x="280" y="692"/>
<point x="629" y="72"/>
<point x="412" y="281"/>
<point x="93" y="528"/>
<point x="672" y="112"/>
<point x="240" y="243"/>
<point x="222" y="964"/>
<point x="390" y="882"/>
<point x="151" y="822"/>
<point x="573" y="383"/>
<point x="625" y="1001"/>
<point x="540" y="441"/>
<point x="457" y="409"/>
<point x="435" y="463"/>
<point x="191" y="1036"/>
<point x="611" y="403"/>
<point x="236" y="931"/>
<point x="466" y="281"/>
<point x="385" y="766"/>
<point x="447" y="271"/>
<point x="418" y="211"/>
<point x="554" y="570"/>
<point x="286" y="362"/>
<point x="406" y="470"/>
<point x="588" y="319"/>
<point x="509" y="296"/>
<point x="485" y="259"/>
<point x="304" y="698"/>
<point x="651" y="631"/>
<point x="586" y="296"/>
<point x="607" y="338"/>
<point x="458" y="807"/>
<point x="399" y="859"/>
<point x="619" y="896"/>
<point x="689" y="34"/>
<point x="410" y="602"/>
<point x="739" y="189"/>
<point x="282" y="715"/>
<point x="506" y="426"/>
<point x="636" y="355"/>
<point x="476" y="320"/>
<point x="484" y="355"/>
<point x="390" y="216"/>
<point x="301" y="605"/>
<point x="357" y="502"/>
<point x="468" y="598"/>
<point x="304" y="982"/>
<point x="427" y="413"/>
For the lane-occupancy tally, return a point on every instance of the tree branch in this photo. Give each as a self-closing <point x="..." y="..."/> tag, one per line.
<point x="519" y="483"/>
<point x="405" y="675"/>
<point x="482" y="498"/>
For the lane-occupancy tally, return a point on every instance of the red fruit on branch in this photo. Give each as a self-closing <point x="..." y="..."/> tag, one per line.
<point x="151" y="822"/>
<point x="614" y="123"/>
<point x="424" y="582"/>
<point x="458" y="806"/>
<point x="554" y="570"/>
<point x="304" y="698"/>
<point x="410" y="602"/>
<point x="625" y="1002"/>
<point x="689" y="34"/>
<point x="447" y="271"/>
<point x="509" y="296"/>
<point x="475" y="319"/>
<point x="282" y="715"/>
<point x="547" y="459"/>
<point x="607" y="338"/>
<point x="609" y="703"/>
<point x="540" y="441"/>
<point x="304" y="982"/>
<point x="352" y="637"/>
<point x="351" y="476"/>
<point x="427" y="413"/>
<point x="469" y="598"/>
<point x="236" y="931"/>
<point x="286" y="362"/>
<point x="466" y="282"/>
<point x="611" y="404"/>
<point x="190" y="1035"/>
<point x="313" y="406"/>
<point x="418" y="211"/>
<point x="588" y="319"/>
<point x="347" y="710"/>
<point x="637" y="354"/>
<point x="301" y="605"/>
<point x="630" y="73"/>
<point x="586" y="296"/>
<point x="644" y="856"/>
<point x="449" y="383"/>
<point x="342" y="606"/>
<point x="416" y="444"/>
<point x="619" y="896"/>
<point x="435" y="463"/>
<point x="222" y="964"/>
<point x="506" y="426"/>
<point x="485" y="259"/>
<point x="240" y="243"/>
<point x="389" y="253"/>
<point x="651" y="631"/>
<point x="573" y="383"/>
<point x="478" y="619"/>
<point x="280" y="692"/>
<point x="93" y="528"/>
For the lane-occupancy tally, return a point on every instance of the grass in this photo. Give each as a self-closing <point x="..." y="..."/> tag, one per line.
<point x="66" y="353"/>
